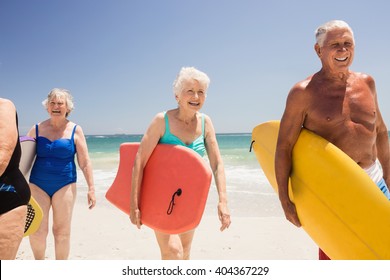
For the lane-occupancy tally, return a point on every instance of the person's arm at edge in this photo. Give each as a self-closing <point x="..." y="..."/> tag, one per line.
<point x="382" y="139"/>
<point x="148" y="143"/>
<point x="8" y="132"/>
<point x="85" y="165"/>
<point x="290" y="128"/>
<point x="218" y="169"/>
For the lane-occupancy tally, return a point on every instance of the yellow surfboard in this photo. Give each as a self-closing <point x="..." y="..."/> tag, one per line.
<point x="339" y="206"/>
<point x="34" y="213"/>
<point x="34" y="217"/>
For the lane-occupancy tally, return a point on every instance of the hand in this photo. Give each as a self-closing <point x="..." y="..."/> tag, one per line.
<point x="91" y="199"/>
<point x="135" y="217"/>
<point x="224" y="215"/>
<point x="291" y="213"/>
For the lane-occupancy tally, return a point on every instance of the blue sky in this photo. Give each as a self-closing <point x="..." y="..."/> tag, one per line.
<point x="120" y="57"/>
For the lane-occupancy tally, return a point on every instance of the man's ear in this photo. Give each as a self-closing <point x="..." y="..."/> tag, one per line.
<point x="317" y="48"/>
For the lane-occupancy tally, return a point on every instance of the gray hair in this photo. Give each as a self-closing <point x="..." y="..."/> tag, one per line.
<point x="62" y="94"/>
<point x="322" y="30"/>
<point x="188" y="73"/>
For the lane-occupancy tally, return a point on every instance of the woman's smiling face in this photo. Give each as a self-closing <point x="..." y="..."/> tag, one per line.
<point x="192" y="96"/>
<point x="57" y="107"/>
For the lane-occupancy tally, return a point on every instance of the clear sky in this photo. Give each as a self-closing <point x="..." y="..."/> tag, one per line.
<point x="120" y="57"/>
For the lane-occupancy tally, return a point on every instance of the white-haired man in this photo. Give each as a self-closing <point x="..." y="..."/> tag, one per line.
<point x="341" y="106"/>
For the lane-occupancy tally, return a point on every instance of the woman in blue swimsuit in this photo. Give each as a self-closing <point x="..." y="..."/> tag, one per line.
<point x="187" y="127"/>
<point x="53" y="175"/>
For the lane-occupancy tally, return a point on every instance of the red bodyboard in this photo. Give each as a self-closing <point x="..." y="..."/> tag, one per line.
<point x="171" y="169"/>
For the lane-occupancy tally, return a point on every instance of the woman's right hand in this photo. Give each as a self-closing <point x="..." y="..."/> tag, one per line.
<point x="135" y="217"/>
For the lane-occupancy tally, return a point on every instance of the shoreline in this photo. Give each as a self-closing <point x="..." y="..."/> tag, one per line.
<point x="105" y="233"/>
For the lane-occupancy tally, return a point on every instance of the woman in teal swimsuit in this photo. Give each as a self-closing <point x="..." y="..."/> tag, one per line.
<point x="187" y="127"/>
<point x="53" y="176"/>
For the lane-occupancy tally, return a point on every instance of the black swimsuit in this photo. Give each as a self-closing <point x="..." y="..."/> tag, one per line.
<point x="14" y="189"/>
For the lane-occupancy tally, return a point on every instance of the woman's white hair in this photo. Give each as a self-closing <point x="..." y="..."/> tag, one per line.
<point x="61" y="94"/>
<point x="188" y="73"/>
<point x="322" y="30"/>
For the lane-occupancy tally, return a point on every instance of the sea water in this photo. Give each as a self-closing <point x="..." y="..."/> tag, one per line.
<point x="249" y="192"/>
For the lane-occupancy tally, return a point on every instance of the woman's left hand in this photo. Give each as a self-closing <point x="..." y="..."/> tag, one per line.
<point x="224" y="215"/>
<point x="91" y="199"/>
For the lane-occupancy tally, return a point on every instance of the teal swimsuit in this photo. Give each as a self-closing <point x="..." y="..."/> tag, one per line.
<point x="169" y="138"/>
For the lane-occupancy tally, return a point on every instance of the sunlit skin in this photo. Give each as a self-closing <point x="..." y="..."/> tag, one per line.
<point x="12" y="222"/>
<point x="186" y="123"/>
<point x="337" y="104"/>
<point x="63" y="200"/>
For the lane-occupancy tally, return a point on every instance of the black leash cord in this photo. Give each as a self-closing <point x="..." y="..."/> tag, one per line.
<point x="172" y="203"/>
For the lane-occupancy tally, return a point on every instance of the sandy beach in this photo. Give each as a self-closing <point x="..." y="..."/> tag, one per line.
<point x="259" y="230"/>
<point x="105" y="233"/>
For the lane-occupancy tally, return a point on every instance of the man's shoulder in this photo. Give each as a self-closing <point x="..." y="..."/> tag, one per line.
<point x="302" y="85"/>
<point x="300" y="92"/>
<point x="360" y="76"/>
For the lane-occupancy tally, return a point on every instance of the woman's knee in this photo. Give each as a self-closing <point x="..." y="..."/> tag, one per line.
<point x="170" y="246"/>
<point x="173" y="252"/>
<point x="61" y="233"/>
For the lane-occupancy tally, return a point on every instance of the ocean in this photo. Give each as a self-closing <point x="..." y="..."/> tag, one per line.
<point x="248" y="190"/>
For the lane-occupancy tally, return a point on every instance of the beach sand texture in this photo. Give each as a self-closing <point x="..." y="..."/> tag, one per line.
<point x="258" y="231"/>
<point x="105" y="233"/>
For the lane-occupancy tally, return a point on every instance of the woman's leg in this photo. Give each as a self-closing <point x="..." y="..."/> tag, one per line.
<point x="63" y="203"/>
<point x="11" y="232"/>
<point x="186" y="241"/>
<point x="175" y="246"/>
<point x="38" y="239"/>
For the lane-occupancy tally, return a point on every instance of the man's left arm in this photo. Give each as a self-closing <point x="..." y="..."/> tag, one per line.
<point x="382" y="138"/>
<point x="382" y="144"/>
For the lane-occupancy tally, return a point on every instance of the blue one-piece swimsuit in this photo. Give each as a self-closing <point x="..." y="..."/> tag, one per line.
<point x="169" y="138"/>
<point x="54" y="166"/>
